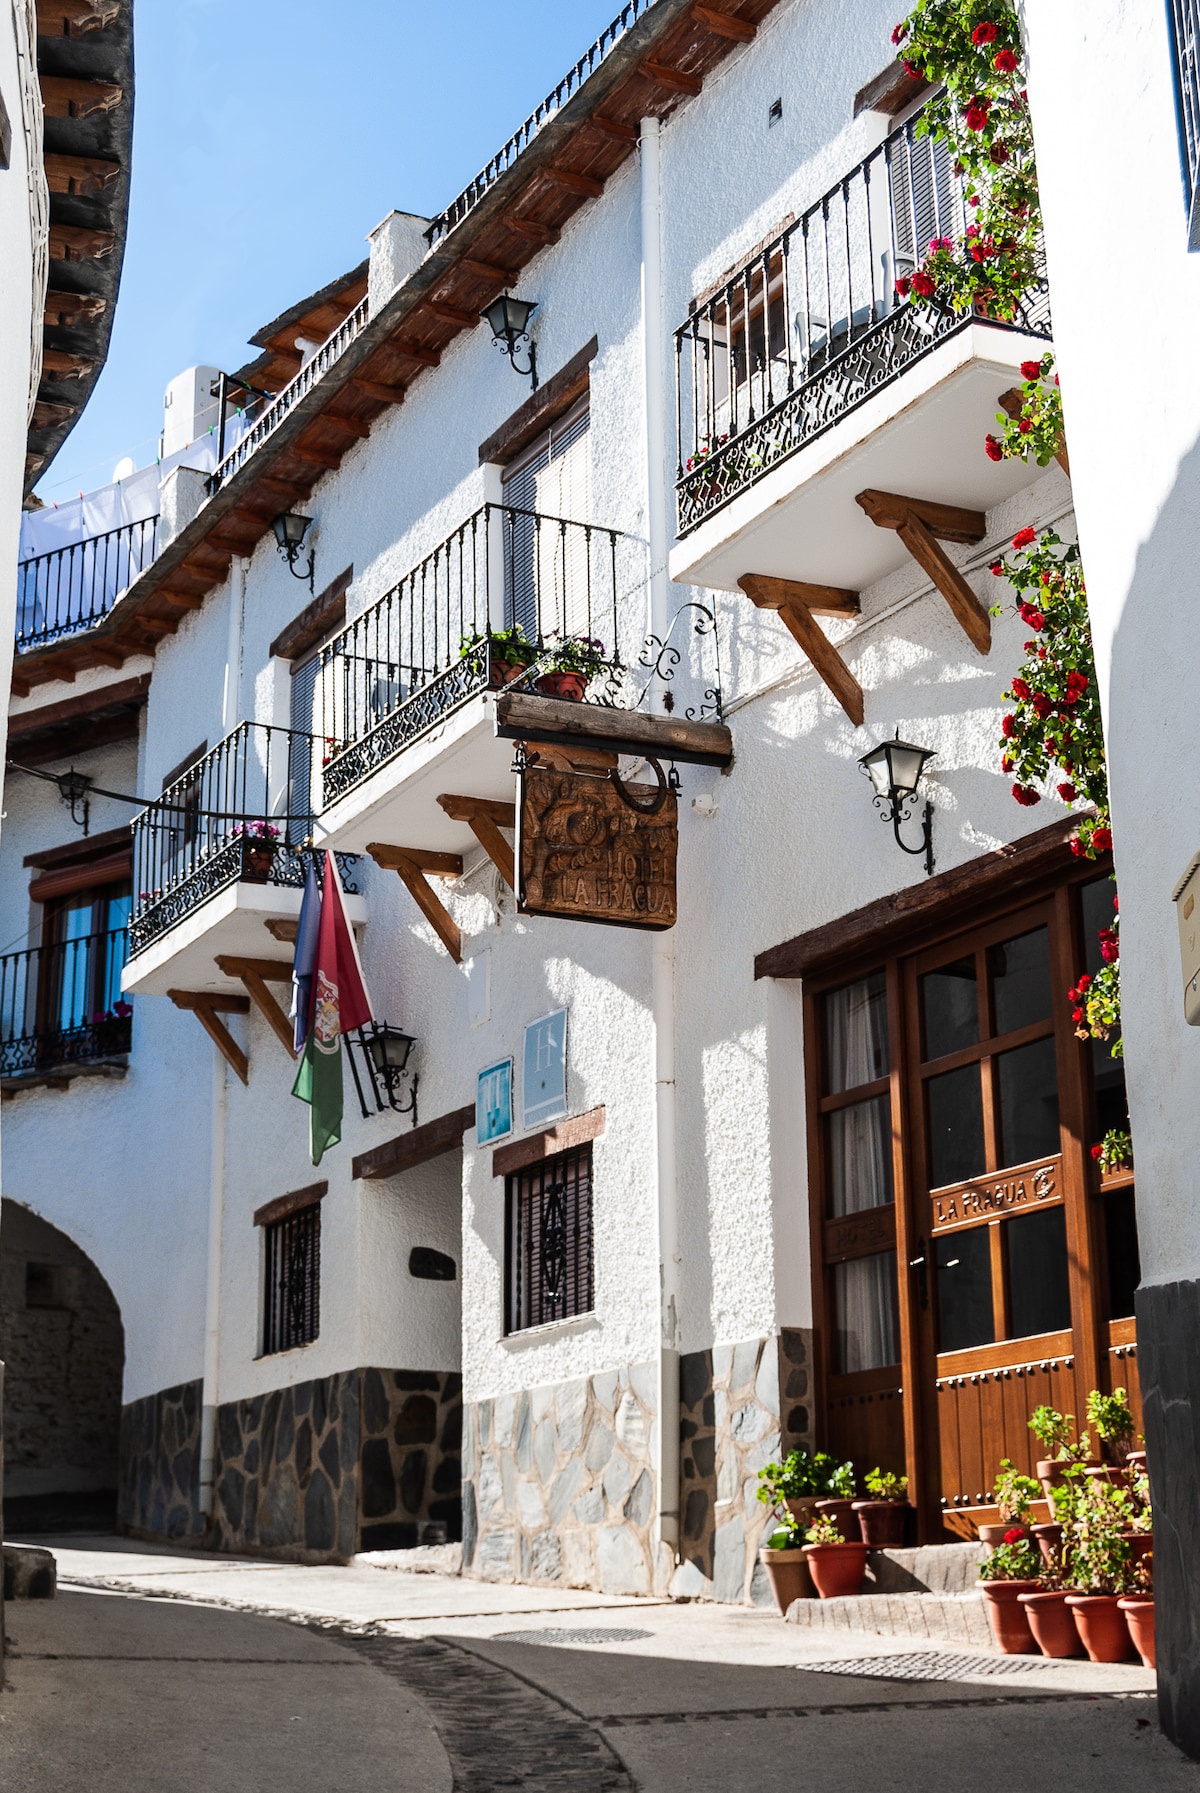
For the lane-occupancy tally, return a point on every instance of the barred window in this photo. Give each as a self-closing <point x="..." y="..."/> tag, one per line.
<point x="549" y="1216"/>
<point x="1185" y="42"/>
<point x="292" y="1305"/>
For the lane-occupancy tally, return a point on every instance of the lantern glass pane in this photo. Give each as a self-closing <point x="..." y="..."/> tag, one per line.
<point x="907" y="762"/>
<point x="876" y="763"/>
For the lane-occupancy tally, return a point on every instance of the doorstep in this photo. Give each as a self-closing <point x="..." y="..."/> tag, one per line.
<point x="950" y="1618"/>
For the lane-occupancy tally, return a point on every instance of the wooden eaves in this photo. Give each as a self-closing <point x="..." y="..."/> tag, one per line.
<point x="656" y="65"/>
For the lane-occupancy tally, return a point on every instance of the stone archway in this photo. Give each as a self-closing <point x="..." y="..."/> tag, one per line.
<point x="63" y="1349"/>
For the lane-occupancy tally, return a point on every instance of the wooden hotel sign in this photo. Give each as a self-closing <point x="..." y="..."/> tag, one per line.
<point x="587" y="853"/>
<point x="991" y="1198"/>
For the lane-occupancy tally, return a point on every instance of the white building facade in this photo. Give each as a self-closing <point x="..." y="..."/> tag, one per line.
<point x="706" y="1235"/>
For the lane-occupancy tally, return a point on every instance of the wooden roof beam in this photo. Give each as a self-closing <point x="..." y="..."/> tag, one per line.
<point x="375" y="389"/>
<point x="485" y="270"/>
<point x="673" y="78"/>
<point x="584" y="184"/>
<point x="450" y="314"/>
<point x="919" y="523"/>
<point x="536" y="233"/>
<point x="721" y="24"/>
<point x="319" y="457"/>
<point x="80" y="175"/>
<point x="613" y="128"/>
<point x="485" y="817"/>
<point x="798" y="606"/>
<point x="354" y="425"/>
<point x="66" y="96"/>
<point x="412" y="865"/>
<point x="422" y="357"/>
<point x="76" y="242"/>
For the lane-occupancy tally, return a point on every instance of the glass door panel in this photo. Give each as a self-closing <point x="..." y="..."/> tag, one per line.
<point x="1027" y="1088"/>
<point x="955" y="1119"/>
<point x="949" y="1008"/>
<point x="860" y="1157"/>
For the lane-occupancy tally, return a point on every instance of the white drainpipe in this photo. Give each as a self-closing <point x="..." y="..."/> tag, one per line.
<point x="212" y="1297"/>
<point x="232" y="693"/>
<point x="663" y="979"/>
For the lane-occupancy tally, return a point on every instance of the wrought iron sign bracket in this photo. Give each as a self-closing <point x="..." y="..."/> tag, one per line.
<point x="798" y="606"/>
<point x="412" y="865"/>
<point x="920" y="524"/>
<point x="661" y="657"/>
<point x="485" y="818"/>
<point x="255" y="975"/>
<point x="208" y="1006"/>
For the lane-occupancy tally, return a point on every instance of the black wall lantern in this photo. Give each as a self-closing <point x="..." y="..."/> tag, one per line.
<point x="385" y="1052"/>
<point x="509" y="320"/>
<point x="290" y="531"/>
<point x="895" y="768"/>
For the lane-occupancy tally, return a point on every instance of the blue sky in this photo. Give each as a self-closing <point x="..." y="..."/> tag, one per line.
<point x="269" y="137"/>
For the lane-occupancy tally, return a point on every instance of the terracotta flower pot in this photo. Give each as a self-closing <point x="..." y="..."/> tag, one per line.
<point x="1139" y="1616"/>
<point x="1102" y="1626"/>
<point x="257" y="859"/>
<point x="568" y="686"/>
<point x="1052" y="1623"/>
<point x="842" y="1514"/>
<point x="503" y="672"/>
<point x="1049" y="1538"/>
<point x="1136" y="1459"/>
<point x="991" y="1535"/>
<point x="882" y="1522"/>
<point x="803" y="1510"/>
<point x="837" y="1569"/>
<point x="787" y="1571"/>
<point x="1108" y="1472"/>
<point x="1007" y="1617"/>
<point x="1048" y="1471"/>
<point x="1140" y="1544"/>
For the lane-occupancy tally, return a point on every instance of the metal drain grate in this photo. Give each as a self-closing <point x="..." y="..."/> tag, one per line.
<point x="609" y="1635"/>
<point x="926" y="1665"/>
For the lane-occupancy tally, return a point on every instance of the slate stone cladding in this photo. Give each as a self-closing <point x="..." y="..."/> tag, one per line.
<point x="363" y="1460"/>
<point x="1168" y="1324"/>
<point x="740" y="1406"/>
<point x="159" y="1477"/>
<point x="558" y="1484"/>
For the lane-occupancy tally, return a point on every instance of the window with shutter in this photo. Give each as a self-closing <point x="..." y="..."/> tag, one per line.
<point x="549" y="1216"/>
<point x="552" y="479"/>
<point x="1185" y="43"/>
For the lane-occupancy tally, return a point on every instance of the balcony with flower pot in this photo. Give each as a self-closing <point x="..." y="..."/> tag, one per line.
<point x="62" y="1014"/>
<point x="830" y="366"/>
<point x="219" y="863"/>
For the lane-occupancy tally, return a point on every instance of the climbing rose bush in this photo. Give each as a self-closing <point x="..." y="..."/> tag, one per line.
<point x="1037" y="429"/>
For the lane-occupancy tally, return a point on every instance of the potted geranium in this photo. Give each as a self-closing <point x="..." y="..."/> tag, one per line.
<point x="1010" y="1570"/>
<point x="794" y="1485"/>
<point x="1014" y="1495"/>
<point x="1050" y="1618"/>
<point x="1101" y="1569"/>
<point x="783" y="1557"/>
<point x="1113" y="1421"/>
<point x="259" y="841"/>
<point x="111" y="1029"/>
<point x="837" y="1565"/>
<point x="1052" y="1431"/>
<point x="567" y="665"/>
<point x="1139" y="1532"/>
<point x="509" y="652"/>
<point x="838" y="1501"/>
<point x="883" y="1516"/>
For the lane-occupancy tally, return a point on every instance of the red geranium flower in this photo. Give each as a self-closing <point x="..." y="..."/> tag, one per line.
<point x="1026" y="795"/>
<point x="1097" y="1152"/>
<point x="1008" y="725"/>
<point x="1024" y="537"/>
<point x="899" y="33"/>
<point x="1006" y="62"/>
<point x="1024" y="427"/>
<point x="1031" y="370"/>
<point x="1014" y="1536"/>
<point x="997" y="567"/>
<point x="912" y="71"/>
<point x="903" y="285"/>
<point x="1067" y="792"/>
<point x="1020" y="689"/>
<point x="1077" y="1015"/>
<point x="1102" y="839"/>
<point x="923" y="285"/>
<point x="994" y="453"/>
<point x="985" y="34"/>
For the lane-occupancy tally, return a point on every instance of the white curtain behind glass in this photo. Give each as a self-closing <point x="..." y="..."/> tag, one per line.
<point x="856" y="1033"/>
<point x="860" y="1146"/>
<point x="868" y="1333"/>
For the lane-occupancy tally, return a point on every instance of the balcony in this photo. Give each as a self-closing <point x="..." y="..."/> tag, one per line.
<point x="61" y="1010"/>
<point x="407" y="694"/>
<point x="219" y="862"/>
<point x="804" y="380"/>
<point x="74" y="587"/>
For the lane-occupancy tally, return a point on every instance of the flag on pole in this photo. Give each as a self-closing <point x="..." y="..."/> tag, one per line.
<point x="339" y="1003"/>
<point x="306" y="958"/>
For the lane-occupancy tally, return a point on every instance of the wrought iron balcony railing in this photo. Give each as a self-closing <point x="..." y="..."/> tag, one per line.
<point x="432" y="641"/>
<point x="242" y="813"/>
<point x="274" y="413"/>
<point x="61" y="1004"/>
<point x="520" y="140"/>
<point x="75" y="587"/>
<point x="812" y="325"/>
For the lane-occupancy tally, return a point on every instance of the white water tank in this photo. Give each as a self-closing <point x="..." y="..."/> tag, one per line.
<point x="189" y="407"/>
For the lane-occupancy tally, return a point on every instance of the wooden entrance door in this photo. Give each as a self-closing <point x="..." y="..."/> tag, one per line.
<point x="973" y="1261"/>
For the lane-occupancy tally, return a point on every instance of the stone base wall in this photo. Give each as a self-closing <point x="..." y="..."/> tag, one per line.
<point x="364" y="1460"/>
<point x="741" y="1406"/>
<point x="558" y="1484"/>
<point x="159" y="1481"/>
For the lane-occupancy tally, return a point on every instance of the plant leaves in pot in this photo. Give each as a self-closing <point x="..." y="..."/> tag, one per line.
<point x="786" y="1564"/>
<point x="1014" y="1495"/>
<point x="1009" y="1571"/>
<point x="837" y="1565"/>
<point x="884" y="1516"/>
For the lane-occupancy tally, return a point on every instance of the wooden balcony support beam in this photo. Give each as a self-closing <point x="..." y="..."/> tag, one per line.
<point x="673" y="78"/>
<point x="613" y="127"/>
<point x="412" y="864"/>
<point x="208" y="1006"/>
<point x="920" y="523"/>
<point x="739" y="31"/>
<point x="354" y="425"/>
<point x="486" y="270"/>
<point x="255" y="975"/>
<point x="798" y="606"/>
<point x="485" y="817"/>
<point x="70" y="96"/>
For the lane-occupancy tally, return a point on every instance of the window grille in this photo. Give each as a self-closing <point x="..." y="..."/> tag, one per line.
<point x="292" y="1308"/>
<point x="1185" y="42"/>
<point x="549" y="1209"/>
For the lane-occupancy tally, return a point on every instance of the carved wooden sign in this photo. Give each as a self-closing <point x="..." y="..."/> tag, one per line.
<point x="851" y="1235"/>
<point x="990" y="1198"/>
<point x="587" y="853"/>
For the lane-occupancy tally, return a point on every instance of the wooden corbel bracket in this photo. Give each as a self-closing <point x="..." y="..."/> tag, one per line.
<point x="798" y="606"/>
<point x="208" y="1006"/>
<point x="255" y="975"/>
<point x="919" y="523"/>
<point x="485" y="818"/>
<point x="412" y="865"/>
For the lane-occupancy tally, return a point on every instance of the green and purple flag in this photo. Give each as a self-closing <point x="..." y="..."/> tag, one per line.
<point x="331" y="978"/>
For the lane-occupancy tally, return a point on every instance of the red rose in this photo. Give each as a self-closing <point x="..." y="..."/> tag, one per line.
<point x="985" y="34"/>
<point x="997" y="567"/>
<point x="899" y="34"/>
<point x="1042" y="705"/>
<point x="976" y="116"/>
<point x="902" y="286"/>
<point x="1026" y="795"/>
<point x="1006" y="764"/>
<point x="1020" y="689"/>
<point x="923" y="285"/>
<point x="1077" y="846"/>
<point x="1031" y="370"/>
<point x="1024" y="537"/>
<point x="999" y="153"/>
<point x="1102" y="839"/>
<point x="1067" y="792"/>
<point x="1077" y="1015"/>
<point x="1008" y="725"/>
<point x="994" y="452"/>
<point x="1006" y="62"/>
<point x="1116" y="904"/>
<point x="1097" y="1152"/>
<point x="1024" y="427"/>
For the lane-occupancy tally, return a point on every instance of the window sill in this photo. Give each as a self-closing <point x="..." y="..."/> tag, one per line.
<point x="537" y="1335"/>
